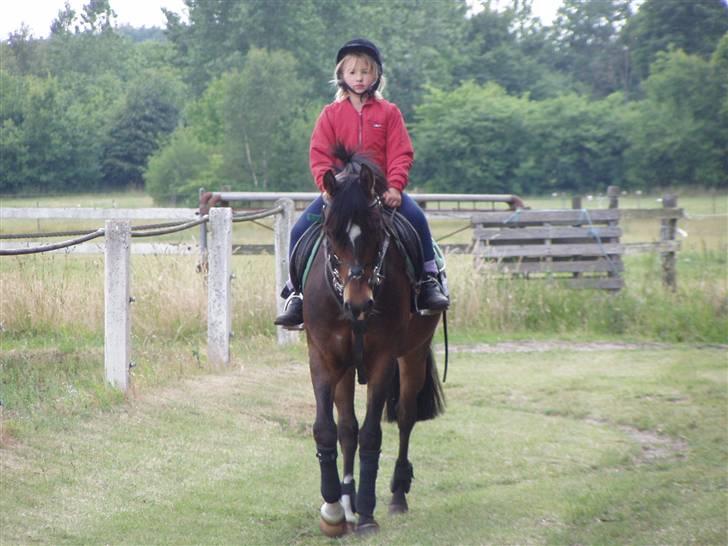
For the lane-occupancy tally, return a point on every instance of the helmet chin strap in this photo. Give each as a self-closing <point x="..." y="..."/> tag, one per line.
<point x="368" y="92"/>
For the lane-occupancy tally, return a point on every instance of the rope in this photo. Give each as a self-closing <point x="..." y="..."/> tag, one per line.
<point x="56" y="246"/>
<point x="149" y="230"/>
<point x="257" y="215"/>
<point x="594" y="232"/>
<point x="453" y="233"/>
<point x="70" y="233"/>
<point x="513" y="217"/>
<point x="165" y="231"/>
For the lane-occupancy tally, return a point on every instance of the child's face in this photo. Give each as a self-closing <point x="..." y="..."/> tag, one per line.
<point x="359" y="74"/>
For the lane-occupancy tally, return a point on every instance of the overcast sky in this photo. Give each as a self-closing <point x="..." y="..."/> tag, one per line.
<point x="38" y="14"/>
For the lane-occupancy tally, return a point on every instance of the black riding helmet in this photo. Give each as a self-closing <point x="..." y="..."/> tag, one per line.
<point x="362" y="45"/>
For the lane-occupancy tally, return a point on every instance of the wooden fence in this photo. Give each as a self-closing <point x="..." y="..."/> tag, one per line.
<point x="580" y="246"/>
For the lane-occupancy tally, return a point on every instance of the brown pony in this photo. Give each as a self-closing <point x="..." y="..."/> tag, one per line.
<point x="358" y="321"/>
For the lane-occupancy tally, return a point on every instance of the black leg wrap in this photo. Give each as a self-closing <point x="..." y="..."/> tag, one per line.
<point x="403" y="476"/>
<point x="350" y="489"/>
<point x="330" y="486"/>
<point x="366" y="496"/>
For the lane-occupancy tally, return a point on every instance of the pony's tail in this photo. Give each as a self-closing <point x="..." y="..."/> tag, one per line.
<point x="430" y="400"/>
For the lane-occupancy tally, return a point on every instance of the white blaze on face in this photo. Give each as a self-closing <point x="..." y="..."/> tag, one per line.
<point x="354" y="232"/>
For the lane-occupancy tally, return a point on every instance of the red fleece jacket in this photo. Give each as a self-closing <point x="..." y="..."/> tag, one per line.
<point x="378" y="130"/>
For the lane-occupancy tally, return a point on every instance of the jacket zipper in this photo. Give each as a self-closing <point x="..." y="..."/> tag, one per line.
<point x="361" y="128"/>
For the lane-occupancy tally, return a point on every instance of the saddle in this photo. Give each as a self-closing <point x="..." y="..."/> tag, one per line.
<point x="401" y="231"/>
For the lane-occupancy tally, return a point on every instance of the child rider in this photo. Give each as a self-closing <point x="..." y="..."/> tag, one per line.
<point x="361" y="120"/>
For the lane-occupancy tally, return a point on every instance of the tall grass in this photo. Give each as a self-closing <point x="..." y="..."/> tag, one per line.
<point x="644" y="309"/>
<point x="55" y="296"/>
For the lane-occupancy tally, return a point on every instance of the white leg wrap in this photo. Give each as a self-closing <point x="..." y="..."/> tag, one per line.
<point x="346" y="502"/>
<point x="332" y="513"/>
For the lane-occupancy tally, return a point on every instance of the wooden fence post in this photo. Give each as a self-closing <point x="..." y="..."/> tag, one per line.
<point x="283" y="225"/>
<point x="117" y="320"/>
<point x="219" y="281"/>
<point x="668" y="228"/>
<point x="613" y="195"/>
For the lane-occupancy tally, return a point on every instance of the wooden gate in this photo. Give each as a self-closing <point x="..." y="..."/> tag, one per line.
<point x="580" y="246"/>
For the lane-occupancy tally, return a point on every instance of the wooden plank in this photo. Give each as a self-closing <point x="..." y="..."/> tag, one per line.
<point x="600" y="265"/>
<point x="544" y="251"/>
<point x="78" y="213"/>
<point x="505" y="233"/>
<point x="658" y="246"/>
<point x="536" y="217"/>
<point x="653" y="214"/>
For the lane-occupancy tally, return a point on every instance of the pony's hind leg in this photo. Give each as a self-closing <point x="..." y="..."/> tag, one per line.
<point x="420" y="397"/>
<point x="348" y="428"/>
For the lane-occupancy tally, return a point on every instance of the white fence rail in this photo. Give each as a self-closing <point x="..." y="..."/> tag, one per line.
<point x="117" y="249"/>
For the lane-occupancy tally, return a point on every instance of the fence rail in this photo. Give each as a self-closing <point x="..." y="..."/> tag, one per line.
<point x="117" y="249"/>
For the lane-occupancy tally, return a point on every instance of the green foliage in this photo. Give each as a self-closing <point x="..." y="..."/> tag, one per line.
<point x="149" y="113"/>
<point x="179" y="169"/>
<point x="479" y="139"/>
<point x="85" y="107"/>
<point x="694" y="27"/>
<point x="258" y="104"/>
<point x="453" y="129"/>
<point x="676" y="133"/>
<point x="586" y="37"/>
<point x="573" y="145"/>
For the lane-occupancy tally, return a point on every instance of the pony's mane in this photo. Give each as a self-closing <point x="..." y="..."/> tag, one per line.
<point x="351" y="203"/>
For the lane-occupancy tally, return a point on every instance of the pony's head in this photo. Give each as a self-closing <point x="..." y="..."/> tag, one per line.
<point x="353" y="226"/>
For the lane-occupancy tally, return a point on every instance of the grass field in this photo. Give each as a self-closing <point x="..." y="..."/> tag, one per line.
<point x="569" y="442"/>
<point x="555" y="445"/>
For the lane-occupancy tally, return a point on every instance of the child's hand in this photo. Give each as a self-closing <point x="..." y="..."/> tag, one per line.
<point x="392" y="198"/>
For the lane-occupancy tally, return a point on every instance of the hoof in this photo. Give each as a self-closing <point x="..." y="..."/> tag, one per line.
<point x="334" y="530"/>
<point x="395" y="509"/>
<point x="333" y="521"/>
<point x="367" y="526"/>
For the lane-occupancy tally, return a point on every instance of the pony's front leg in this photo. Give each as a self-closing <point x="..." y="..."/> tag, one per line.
<point x="370" y="443"/>
<point x="348" y="429"/>
<point x="332" y="522"/>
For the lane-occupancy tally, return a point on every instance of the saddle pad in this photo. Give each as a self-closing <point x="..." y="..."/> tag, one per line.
<point x="409" y="244"/>
<point x="303" y="254"/>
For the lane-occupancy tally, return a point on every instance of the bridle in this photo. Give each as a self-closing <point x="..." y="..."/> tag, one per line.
<point x="356" y="271"/>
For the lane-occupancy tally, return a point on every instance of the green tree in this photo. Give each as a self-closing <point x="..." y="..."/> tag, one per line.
<point x="512" y="49"/>
<point x="588" y="45"/>
<point x="149" y="113"/>
<point x="259" y="102"/>
<point x="177" y="171"/>
<point x="469" y="140"/>
<point x="677" y="134"/>
<point x="574" y="144"/>
<point x="48" y="144"/>
<point x="695" y="27"/>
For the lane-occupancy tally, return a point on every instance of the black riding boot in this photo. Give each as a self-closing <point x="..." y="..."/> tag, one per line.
<point x="292" y="316"/>
<point x="431" y="297"/>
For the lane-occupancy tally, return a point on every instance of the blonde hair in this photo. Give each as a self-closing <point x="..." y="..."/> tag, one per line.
<point x="342" y="93"/>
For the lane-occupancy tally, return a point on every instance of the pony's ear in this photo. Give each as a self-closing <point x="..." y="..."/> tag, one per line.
<point x="330" y="184"/>
<point x="367" y="179"/>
